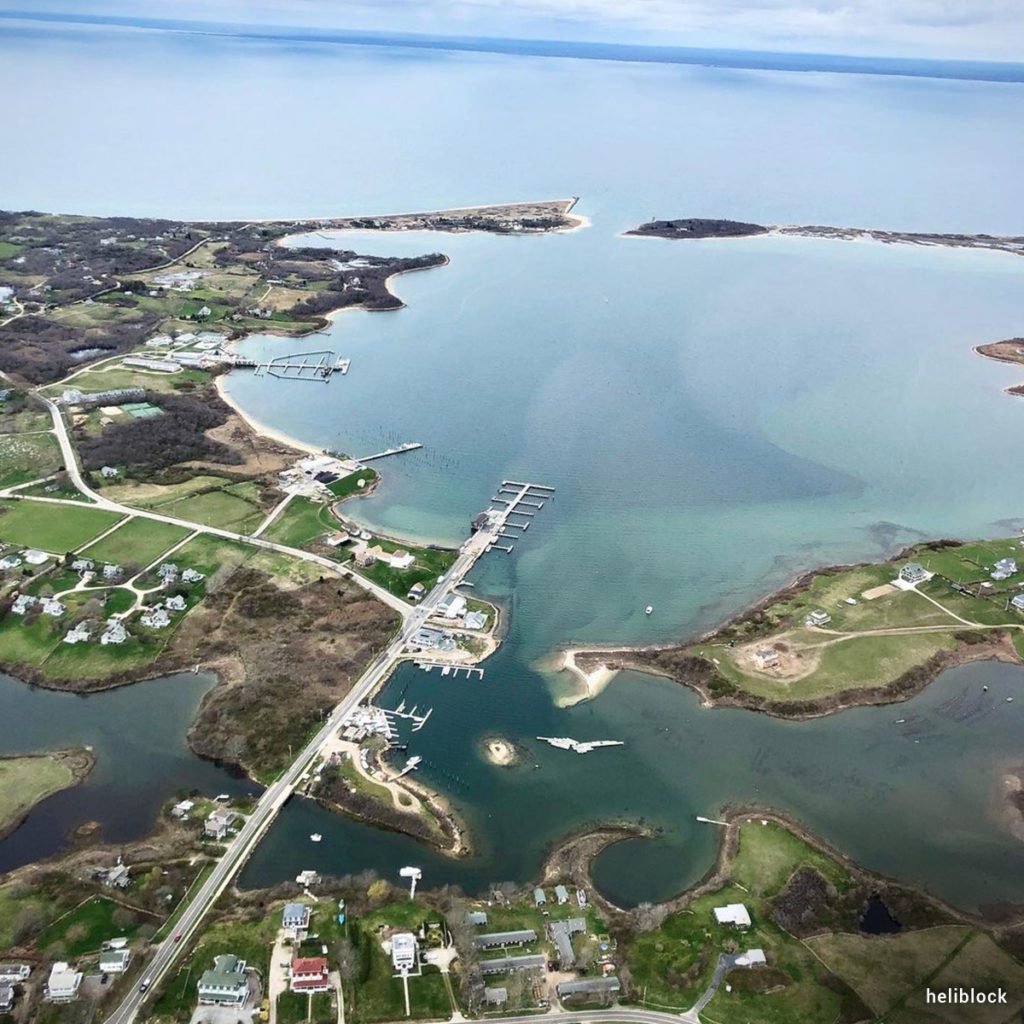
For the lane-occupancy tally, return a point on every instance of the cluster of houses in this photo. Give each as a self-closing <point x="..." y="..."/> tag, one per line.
<point x="64" y="981"/>
<point x="364" y="555"/>
<point x="30" y="556"/>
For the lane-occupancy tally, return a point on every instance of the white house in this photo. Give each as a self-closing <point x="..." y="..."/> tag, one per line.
<point x="914" y="572"/>
<point x="11" y="974"/>
<point x="155" y="618"/>
<point x="175" y="603"/>
<point x="766" y="657"/>
<point x="108" y="472"/>
<point x="62" y="985"/>
<point x="224" y="985"/>
<point x="115" y="961"/>
<point x="111" y="571"/>
<point x="191" y="576"/>
<point x="23" y="602"/>
<point x="1018" y="602"/>
<point x="734" y="914"/>
<point x="400" y="559"/>
<point x="752" y="958"/>
<point x="53" y="607"/>
<point x="475" y="620"/>
<point x="403" y="951"/>
<point x="819" y="617"/>
<point x="78" y="635"/>
<point x="82" y="565"/>
<point x="295" y="918"/>
<point x="115" y="633"/>
<point x="451" y="606"/>
<point x="218" y="823"/>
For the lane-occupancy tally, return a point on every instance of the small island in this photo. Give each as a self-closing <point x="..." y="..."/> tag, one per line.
<point x="697" y="227"/>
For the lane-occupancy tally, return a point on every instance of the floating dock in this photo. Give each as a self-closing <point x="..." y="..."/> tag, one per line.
<point x="451" y="670"/>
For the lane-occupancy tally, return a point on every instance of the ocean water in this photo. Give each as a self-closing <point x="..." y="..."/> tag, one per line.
<point x="716" y="416"/>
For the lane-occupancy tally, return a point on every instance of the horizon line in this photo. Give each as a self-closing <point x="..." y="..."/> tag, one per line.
<point x="960" y="69"/>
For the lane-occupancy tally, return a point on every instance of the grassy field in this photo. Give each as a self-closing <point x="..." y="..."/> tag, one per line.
<point x="136" y="542"/>
<point x="430" y="563"/>
<point x="349" y="485"/>
<point x="302" y="521"/>
<point x="24" y="781"/>
<point x="207" y="499"/>
<point x="814" y="666"/>
<point x="83" y="929"/>
<point x="56" y="528"/>
<point x="25" y="457"/>
<point x="18" y="902"/>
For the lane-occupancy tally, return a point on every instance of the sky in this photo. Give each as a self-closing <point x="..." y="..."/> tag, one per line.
<point x="964" y="29"/>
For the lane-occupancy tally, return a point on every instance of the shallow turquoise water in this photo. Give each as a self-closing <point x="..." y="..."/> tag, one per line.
<point x="716" y="416"/>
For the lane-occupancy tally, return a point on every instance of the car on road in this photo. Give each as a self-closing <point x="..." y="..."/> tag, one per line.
<point x="177" y="937"/>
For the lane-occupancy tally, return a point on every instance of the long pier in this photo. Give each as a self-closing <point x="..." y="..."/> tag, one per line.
<point x="519" y="498"/>
<point x="409" y="446"/>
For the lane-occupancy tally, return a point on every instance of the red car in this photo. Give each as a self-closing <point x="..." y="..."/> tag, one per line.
<point x="177" y="938"/>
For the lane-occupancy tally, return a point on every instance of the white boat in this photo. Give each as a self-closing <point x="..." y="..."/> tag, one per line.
<point x="315" y="837"/>
<point x="649" y="609"/>
<point x="1009" y="700"/>
<point x="579" y="746"/>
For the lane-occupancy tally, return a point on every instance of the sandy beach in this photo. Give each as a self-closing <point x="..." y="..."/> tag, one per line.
<point x="500" y="751"/>
<point x="262" y="428"/>
<point x="590" y="684"/>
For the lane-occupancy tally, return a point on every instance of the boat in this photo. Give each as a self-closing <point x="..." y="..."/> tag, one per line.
<point x="1009" y="700"/>
<point x="900" y="721"/>
<point x="579" y="746"/>
<point x="315" y="837"/>
<point x="649" y="609"/>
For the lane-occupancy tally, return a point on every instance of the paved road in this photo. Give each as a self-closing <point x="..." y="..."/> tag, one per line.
<point x="276" y="795"/>
<point x="74" y="472"/>
<point x="626" y="1015"/>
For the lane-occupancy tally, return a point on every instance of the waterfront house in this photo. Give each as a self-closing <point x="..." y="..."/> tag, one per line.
<point x="78" y="635"/>
<point x="13" y="974"/>
<point x="403" y="952"/>
<point x="427" y="638"/>
<point x="451" y="606"/>
<point x="400" y="559"/>
<point x="115" y="961"/>
<point x="226" y="984"/>
<point x="752" y="958"/>
<point x="218" y="822"/>
<point x="507" y="964"/>
<point x="115" y="633"/>
<point x="1007" y="565"/>
<point x="539" y="899"/>
<point x="63" y="983"/>
<point x="819" y="617"/>
<point x="310" y="974"/>
<point x="363" y="556"/>
<point x="475" y="620"/>
<point x="561" y="894"/>
<point x="603" y="988"/>
<point x="914" y="572"/>
<point x="118" y="876"/>
<point x="182" y="809"/>
<point x="295" y="919"/>
<point x="562" y="933"/>
<point x="766" y="657"/>
<point x="494" y="940"/>
<point x="734" y="914"/>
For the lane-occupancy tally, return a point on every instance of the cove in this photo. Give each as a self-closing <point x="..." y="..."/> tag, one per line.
<point x="137" y="735"/>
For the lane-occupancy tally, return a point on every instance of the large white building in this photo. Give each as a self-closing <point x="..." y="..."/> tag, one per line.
<point x="733" y="913"/>
<point x="403" y="952"/>
<point x="63" y="983"/>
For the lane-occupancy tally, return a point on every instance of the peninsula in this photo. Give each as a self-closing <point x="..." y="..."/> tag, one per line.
<point x="850" y="635"/>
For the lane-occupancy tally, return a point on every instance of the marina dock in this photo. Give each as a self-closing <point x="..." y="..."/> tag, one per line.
<point x="297" y="366"/>
<point x="451" y="670"/>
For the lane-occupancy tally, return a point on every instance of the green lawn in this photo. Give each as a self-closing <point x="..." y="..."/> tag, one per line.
<point x="768" y="854"/>
<point x="302" y="521"/>
<point x="137" y="542"/>
<point x="349" y="485"/>
<point x="83" y="929"/>
<point x="292" y="1007"/>
<point x="25" y="457"/>
<point x="230" y="509"/>
<point x="56" y="528"/>
<point x="24" y="781"/>
<point x="18" y="903"/>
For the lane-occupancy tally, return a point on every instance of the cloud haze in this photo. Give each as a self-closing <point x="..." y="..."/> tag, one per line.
<point x="991" y="29"/>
